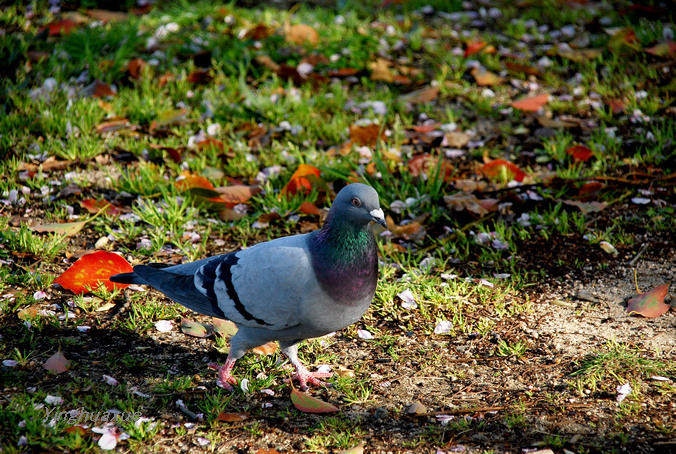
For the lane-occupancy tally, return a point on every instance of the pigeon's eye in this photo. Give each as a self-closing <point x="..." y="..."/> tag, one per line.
<point x="356" y="202"/>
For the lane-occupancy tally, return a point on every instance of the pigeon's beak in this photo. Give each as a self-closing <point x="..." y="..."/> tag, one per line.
<point x="379" y="217"/>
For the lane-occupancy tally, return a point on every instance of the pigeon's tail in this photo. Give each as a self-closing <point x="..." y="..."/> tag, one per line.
<point x="127" y="278"/>
<point x="179" y="287"/>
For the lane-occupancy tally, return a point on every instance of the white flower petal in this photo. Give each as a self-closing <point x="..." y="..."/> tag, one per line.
<point x="443" y="327"/>
<point x="164" y="326"/>
<point x="363" y="334"/>
<point x="110" y="380"/>
<point x="108" y="441"/>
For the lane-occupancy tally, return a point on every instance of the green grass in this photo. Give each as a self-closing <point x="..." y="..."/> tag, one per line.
<point x="262" y="125"/>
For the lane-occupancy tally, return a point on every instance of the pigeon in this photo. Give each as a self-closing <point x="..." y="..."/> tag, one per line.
<point x="288" y="289"/>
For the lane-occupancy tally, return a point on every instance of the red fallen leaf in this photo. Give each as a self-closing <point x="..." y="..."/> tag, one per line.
<point x="196" y="329"/>
<point x="94" y="206"/>
<point x="429" y="165"/>
<point x="650" y="304"/>
<point x="61" y="27"/>
<point x="190" y="180"/>
<point x="302" y="179"/>
<point x="210" y="143"/>
<point x="532" y="104"/>
<point x="232" y="417"/>
<point x="588" y="190"/>
<point x="309" y="208"/>
<point x="664" y="49"/>
<point x="474" y="47"/>
<point x="424" y="129"/>
<point x="308" y="404"/>
<point x="624" y="37"/>
<point x="175" y="154"/>
<point x="57" y="363"/>
<point x="617" y="105"/>
<point x="344" y="72"/>
<point x="92" y="269"/>
<point x="101" y="90"/>
<point x="75" y="430"/>
<point x="580" y="153"/>
<point x="494" y="168"/>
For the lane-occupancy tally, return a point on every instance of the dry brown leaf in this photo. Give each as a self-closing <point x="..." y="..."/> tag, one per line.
<point x="485" y="78"/>
<point x="266" y="349"/>
<point x="267" y="62"/>
<point x="380" y="70"/>
<point x="421" y="96"/>
<point x="366" y="135"/>
<point x="301" y="34"/>
<point x="457" y="139"/>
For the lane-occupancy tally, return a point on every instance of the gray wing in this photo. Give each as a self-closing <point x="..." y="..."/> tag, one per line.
<point x="265" y="286"/>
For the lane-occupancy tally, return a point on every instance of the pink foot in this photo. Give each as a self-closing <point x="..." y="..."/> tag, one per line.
<point x="304" y="377"/>
<point x="225" y="379"/>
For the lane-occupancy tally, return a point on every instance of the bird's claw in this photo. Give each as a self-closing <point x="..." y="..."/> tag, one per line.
<point x="225" y="379"/>
<point x="304" y="377"/>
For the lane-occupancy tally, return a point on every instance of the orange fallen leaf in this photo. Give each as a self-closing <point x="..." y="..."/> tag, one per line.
<point x="650" y="304"/>
<point x="485" y="78"/>
<point x="238" y="193"/>
<point x="61" y="27"/>
<point x="301" y="34"/>
<point x="421" y="96"/>
<point x="309" y="208"/>
<point x="93" y="206"/>
<point x="190" y="180"/>
<point x="303" y="180"/>
<point x="580" y="153"/>
<point x="232" y="417"/>
<point x="474" y="47"/>
<point x="367" y="136"/>
<point x="93" y="269"/>
<point x="495" y="168"/>
<point x="532" y="104"/>
<point x="265" y="349"/>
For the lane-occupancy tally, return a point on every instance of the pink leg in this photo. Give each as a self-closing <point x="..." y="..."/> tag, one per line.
<point x="304" y="377"/>
<point x="225" y="379"/>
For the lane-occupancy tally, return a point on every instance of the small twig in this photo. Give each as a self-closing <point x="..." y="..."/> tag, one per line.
<point x="115" y="316"/>
<point x="460" y="411"/>
<point x="640" y="253"/>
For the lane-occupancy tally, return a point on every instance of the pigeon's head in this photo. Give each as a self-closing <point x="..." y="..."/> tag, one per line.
<point x="359" y="203"/>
